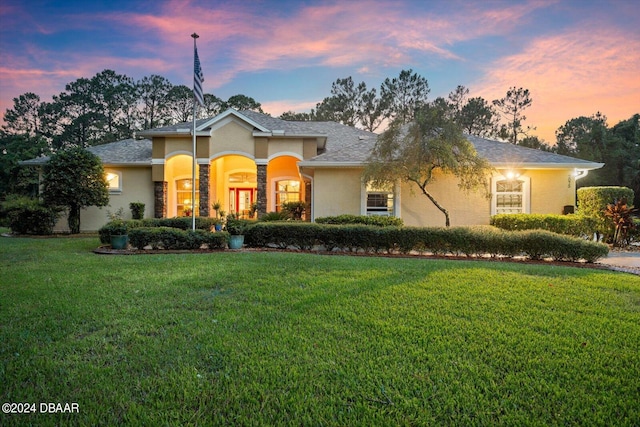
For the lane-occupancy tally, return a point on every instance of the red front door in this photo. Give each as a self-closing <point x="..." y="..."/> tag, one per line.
<point x="241" y="200"/>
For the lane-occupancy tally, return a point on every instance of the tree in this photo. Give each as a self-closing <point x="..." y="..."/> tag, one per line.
<point x="242" y="102"/>
<point x="24" y="117"/>
<point x="477" y="117"/>
<point x="114" y="99"/>
<point x="180" y="104"/>
<point x="212" y="106"/>
<point x="74" y="178"/>
<point x="414" y="152"/>
<point x="403" y="96"/>
<point x="292" y="116"/>
<point x="13" y="177"/>
<point x="536" y="143"/>
<point x="511" y="107"/>
<point x="583" y="137"/>
<point x="152" y="93"/>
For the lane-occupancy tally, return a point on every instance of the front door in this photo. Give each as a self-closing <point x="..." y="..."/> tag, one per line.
<point x="241" y="199"/>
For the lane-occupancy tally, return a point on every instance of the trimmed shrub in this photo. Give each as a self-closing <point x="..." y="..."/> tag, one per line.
<point x="274" y="216"/>
<point x="175" y="239"/>
<point x="137" y="210"/>
<point x="377" y="220"/>
<point x="184" y="223"/>
<point x="571" y="225"/>
<point x="593" y="201"/>
<point x="470" y="241"/>
<point x="29" y="216"/>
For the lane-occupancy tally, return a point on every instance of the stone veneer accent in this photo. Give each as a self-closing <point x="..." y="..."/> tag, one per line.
<point x="160" y="189"/>
<point x="204" y="189"/>
<point x="307" y="200"/>
<point x="262" y="189"/>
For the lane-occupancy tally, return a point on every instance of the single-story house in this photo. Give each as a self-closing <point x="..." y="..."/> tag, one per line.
<point x="248" y="157"/>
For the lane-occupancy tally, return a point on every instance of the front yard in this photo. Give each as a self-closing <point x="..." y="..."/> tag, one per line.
<point x="267" y="338"/>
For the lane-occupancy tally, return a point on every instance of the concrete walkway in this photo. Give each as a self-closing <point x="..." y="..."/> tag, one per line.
<point x="623" y="261"/>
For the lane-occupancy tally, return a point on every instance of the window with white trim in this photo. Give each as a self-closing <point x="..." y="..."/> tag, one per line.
<point x="380" y="201"/>
<point x="287" y="190"/>
<point x="184" y="192"/>
<point x="114" y="181"/>
<point x="510" y="196"/>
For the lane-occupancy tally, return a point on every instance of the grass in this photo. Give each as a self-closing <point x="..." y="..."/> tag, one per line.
<point x="299" y="339"/>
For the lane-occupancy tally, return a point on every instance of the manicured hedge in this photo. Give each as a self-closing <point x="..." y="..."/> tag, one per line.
<point x="381" y="221"/>
<point x="175" y="238"/>
<point x="469" y="241"/>
<point x="571" y="225"/>
<point x="593" y="201"/>
<point x="29" y="216"/>
<point x="183" y="223"/>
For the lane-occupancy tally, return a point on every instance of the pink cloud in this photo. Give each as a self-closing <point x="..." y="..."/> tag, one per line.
<point x="569" y="75"/>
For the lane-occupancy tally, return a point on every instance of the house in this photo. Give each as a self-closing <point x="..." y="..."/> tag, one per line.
<point x="248" y="157"/>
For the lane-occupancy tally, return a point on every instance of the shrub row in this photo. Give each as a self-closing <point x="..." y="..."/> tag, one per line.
<point x="469" y="241"/>
<point x="572" y="225"/>
<point x="174" y="238"/>
<point x="29" y="216"/>
<point x="377" y="220"/>
<point x="183" y="223"/>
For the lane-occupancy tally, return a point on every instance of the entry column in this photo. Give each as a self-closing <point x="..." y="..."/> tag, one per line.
<point x="203" y="188"/>
<point x="261" y="197"/>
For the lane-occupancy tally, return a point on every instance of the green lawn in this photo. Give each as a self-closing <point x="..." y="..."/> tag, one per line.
<point x="252" y="338"/>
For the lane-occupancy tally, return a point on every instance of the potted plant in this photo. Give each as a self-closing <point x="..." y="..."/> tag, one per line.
<point x="118" y="234"/>
<point x="218" y="223"/>
<point x="236" y="228"/>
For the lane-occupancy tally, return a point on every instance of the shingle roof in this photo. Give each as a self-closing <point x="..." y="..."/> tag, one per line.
<point x="505" y="153"/>
<point x="345" y="145"/>
<point x="125" y="152"/>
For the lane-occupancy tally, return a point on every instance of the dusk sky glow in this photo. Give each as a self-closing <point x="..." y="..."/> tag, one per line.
<point x="576" y="57"/>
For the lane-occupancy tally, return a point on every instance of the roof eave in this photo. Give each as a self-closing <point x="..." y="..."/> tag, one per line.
<point x="544" y="165"/>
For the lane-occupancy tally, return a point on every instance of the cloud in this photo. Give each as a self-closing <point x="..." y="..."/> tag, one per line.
<point x="575" y="73"/>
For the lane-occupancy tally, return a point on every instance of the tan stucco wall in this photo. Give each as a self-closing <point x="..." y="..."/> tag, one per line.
<point x="289" y="146"/>
<point x="136" y="187"/>
<point x="551" y="190"/>
<point x="232" y="137"/>
<point x="464" y="208"/>
<point x="337" y="191"/>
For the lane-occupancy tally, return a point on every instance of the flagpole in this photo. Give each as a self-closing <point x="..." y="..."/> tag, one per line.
<point x="193" y="166"/>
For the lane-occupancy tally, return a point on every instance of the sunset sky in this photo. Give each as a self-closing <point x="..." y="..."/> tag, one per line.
<point x="576" y="57"/>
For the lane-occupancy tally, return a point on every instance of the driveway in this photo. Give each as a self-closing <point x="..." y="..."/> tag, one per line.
<point x="623" y="261"/>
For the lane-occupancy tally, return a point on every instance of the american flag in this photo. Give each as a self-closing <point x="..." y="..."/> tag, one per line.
<point x="198" y="78"/>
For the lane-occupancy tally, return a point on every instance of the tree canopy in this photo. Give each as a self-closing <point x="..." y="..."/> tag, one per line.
<point x="413" y="152"/>
<point x="74" y="178"/>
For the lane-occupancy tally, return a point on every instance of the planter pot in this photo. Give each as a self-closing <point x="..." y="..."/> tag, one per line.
<point x="236" y="241"/>
<point x="119" y="242"/>
<point x="218" y="227"/>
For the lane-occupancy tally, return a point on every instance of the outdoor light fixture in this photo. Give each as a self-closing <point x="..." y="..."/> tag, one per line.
<point x="512" y="174"/>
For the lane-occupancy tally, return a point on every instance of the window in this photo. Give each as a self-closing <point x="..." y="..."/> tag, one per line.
<point x="380" y="201"/>
<point x="287" y="191"/>
<point x="186" y="206"/>
<point x="114" y="181"/>
<point x="510" y="196"/>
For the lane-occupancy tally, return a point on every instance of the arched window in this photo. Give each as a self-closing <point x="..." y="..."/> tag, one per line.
<point x="510" y="196"/>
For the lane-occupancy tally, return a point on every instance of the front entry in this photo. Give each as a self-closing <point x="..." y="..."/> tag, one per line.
<point x="240" y="201"/>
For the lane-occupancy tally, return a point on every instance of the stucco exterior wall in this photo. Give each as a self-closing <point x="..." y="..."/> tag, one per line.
<point x="336" y="191"/>
<point x="551" y="190"/>
<point x="288" y="146"/>
<point x="471" y="208"/>
<point x="136" y="187"/>
<point x="232" y="137"/>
